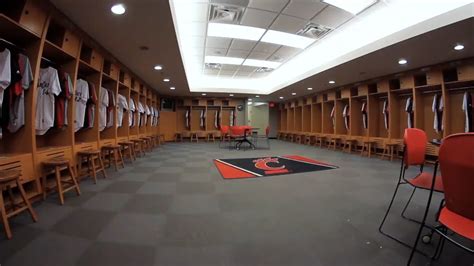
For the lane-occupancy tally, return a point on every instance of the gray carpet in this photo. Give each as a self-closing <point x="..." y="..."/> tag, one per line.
<point x="173" y="208"/>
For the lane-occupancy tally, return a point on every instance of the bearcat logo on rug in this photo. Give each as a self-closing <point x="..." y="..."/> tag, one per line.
<point x="262" y="164"/>
<point x="270" y="165"/>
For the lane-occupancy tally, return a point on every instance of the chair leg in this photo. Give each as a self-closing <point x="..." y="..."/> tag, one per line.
<point x="406" y="205"/>
<point x="3" y="213"/>
<point x="101" y="163"/>
<point x="26" y="201"/>
<point x="59" y="185"/>
<point x="92" y="168"/>
<point x="115" y="160"/>
<point x="74" y="181"/>
<point x="121" y="158"/>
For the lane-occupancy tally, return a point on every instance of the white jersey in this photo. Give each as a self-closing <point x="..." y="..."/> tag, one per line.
<point x="5" y="72"/>
<point x="48" y="87"/>
<point x="131" y="120"/>
<point x="385" y="113"/>
<point x="333" y="117"/>
<point x="364" y="115"/>
<point x="201" y="123"/>
<point x="148" y="113"/>
<point x="409" y="108"/>
<point x="103" y="104"/>
<point x="231" y="118"/>
<point x="141" y="114"/>
<point x="17" y="112"/>
<point x="110" y="120"/>
<point x="187" y="118"/>
<point x="345" y="114"/>
<point x="81" y="97"/>
<point x="216" y="117"/>
<point x="467" y="106"/>
<point x="121" y="105"/>
<point x="437" y="108"/>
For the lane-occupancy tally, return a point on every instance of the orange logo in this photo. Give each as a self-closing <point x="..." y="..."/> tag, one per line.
<point x="262" y="164"/>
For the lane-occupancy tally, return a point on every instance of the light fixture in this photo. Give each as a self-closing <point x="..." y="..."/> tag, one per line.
<point x="250" y="99"/>
<point x="281" y="97"/>
<point x="172" y="88"/>
<point x="402" y="61"/>
<point x="234" y="31"/>
<point x="257" y="96"/>
<point x="261" y="63"/>
<point x="118" y="9"/>
<point x="203" y="94"/>
<point x="352" y="6"/>
<point x="458" y="47"/>
<point x="166" y="80"/>
<point x="223" y="60"/>
<point x="287" y="39"/>
<point x="231" y="95"/>
<point x="310" y="89"/>
<point x="332" y="82"/>
<point x="158" y="67"/>
<point x="293" y="93"/>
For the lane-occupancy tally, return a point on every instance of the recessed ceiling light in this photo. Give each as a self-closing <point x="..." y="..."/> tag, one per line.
<point x="458" y="47"/>
<point x="332" y="82"/>
<point x="257" y="96"/>
<point x="203" y="94"/>
<point x="231" y="95"/>
<point x="172" y="88"/>
<point x="166" y="80"/>
<point x="287" y="39"/>
<point x="402" y="61"/>
<point x="118" y="9"/>
<point x="352" y="6"/>
<point x="223" y="60"/>
<point x="158" y="67"/>
<point x="261" y="63"/>
<point x="310" y="89"/>
<point x="281" y="97"/>
<point x="250" y="99"/>
<point x="234" y="31"/>
<point x="293" y="93"/>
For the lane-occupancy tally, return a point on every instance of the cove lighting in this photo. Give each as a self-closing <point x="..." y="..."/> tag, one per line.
<point x="332" y="82"/>
<point x="234" y="31"/>
<point x="351" y="6"/>
<point x="172" y="88"/>
<point x="459" y="47"/>
<point x="402" y="61"/>
<point x="223" y="60"/>
<point x="287" y="39"/>
<point x="261" y="63"/>
<point x="118" y="9"/>
<point x="166" y="80"/>
<point x="158" y="67"/>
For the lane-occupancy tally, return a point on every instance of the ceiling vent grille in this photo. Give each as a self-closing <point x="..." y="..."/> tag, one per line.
<point x="213" y="66"/>
<point x="264" y="69"/>
<point x="315" y="31"/>
<point x="226" y="13"/>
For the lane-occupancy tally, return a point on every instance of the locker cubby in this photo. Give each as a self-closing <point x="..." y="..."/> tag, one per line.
<point x="372" y="88"/>
<point x="340" y="128"/>
<point x="210" y="117"/>
<point x="306" y="126"/>
<point x="181" y="119"/>
<point x="328" y="123"/>
<point x="450" y="74"/>
<point x="109" y="132"/>
<point x="376" y="118"/>
<point x="338" y="94"/>
<point x="226" y="111"/>
<point x="290" y="120"/>
<point x="356" y="120"/>
<point x="86" y="134"/>
<point x="394" y="84"/>
<point x="316" y="117"/>
<point x="298" y="118"/>
<point x="398" y="120"/>
<point x="134" y="127"/>
<point x="354" y="91"/>
<point x="123" y="131"/>
<point x="60" y="38"/>
<point x="454" y="121"/>
<point x="143" y="116"/>
<point x="283" y="120"/>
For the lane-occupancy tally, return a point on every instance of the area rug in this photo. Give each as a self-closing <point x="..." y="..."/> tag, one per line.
<point x="268" y="166"/>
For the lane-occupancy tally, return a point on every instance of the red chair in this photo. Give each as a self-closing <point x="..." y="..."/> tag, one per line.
<point x="415" y="141"/>
<point x="456" y="212"/>
<point x="224" y="135"/>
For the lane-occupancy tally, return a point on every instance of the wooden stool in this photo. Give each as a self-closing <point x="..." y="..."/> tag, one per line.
<point x="92" y="168"/>
<point x="9" y="178"/>
<point x="194" y="135"/>
<point x="60" y="164"/>
<point x="147" y="144"/>
<point x="321" y="139"/>
<point x="333" y="141"/>
<point x="138" y="148"/>
<point x="128" y="150"/>
<point x="367" y="145"/>
<point x="389" y="149"/>
<point x="178" y="137"/>
<point x="308" y="139"/>
<point x="349" y="143"/>
<point x="113" y="150"/>
<point x="161" y="139"/>
<point x="211" y="135"/>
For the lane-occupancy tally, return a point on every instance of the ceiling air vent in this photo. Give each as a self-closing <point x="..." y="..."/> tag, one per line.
<point x="264" y="69"/>
<point x="226" y="13"/>
<point x="315" y="31"/>
<point x="213" y="66"/>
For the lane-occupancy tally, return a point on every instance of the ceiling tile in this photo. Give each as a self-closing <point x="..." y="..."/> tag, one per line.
<point x="284" y="53"/>
<point x="229" y="67"/>
<point x="259" y="74"/>
<point x="266" y="47"/>
<point x="242" y="45"/>
<point x="258" y="18"/>
<point x="305" y="9"/>
<point x="247" y="69"/>
<point x="270" y="5"/>
<point x="242" y="74"/>
<point x="238" y="53"/>
<point x="226" y="72"/>
<point x="332" y="17"/>
<point x="216" y="42"/>
<point x="288" y="24"/>
<point x="259" y="55"/>
<point x="216" y="51"/>
<point x="211" y="71"/>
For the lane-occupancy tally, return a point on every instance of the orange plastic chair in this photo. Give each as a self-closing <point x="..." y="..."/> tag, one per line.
<point x="456" y="212"/>
<point x="415" y="141"/>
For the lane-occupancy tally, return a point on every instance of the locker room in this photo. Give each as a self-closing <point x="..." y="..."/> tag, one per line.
<point x="236" y="132"/>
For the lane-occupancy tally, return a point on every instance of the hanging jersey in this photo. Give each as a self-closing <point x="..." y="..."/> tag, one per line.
<point x="103" y="104"/>
<point x="81" y="97"/>
<point x="409" y="108"/>
<point x="131" y="117"/>
<point x="48" y="87"/>
<point x="467" y="106"/>
<point x="201" y="123"/>
<point x="186" y="118"/>
<point x="364" y="115"/>
<point x="110" y="109"/>
<point x="17" y="112"/>
<point x="148" y="113"/>
<point x="5" y="72"/>
<point x="216" y="117"/>
<point x="346" y="115"/>
<point x="231" y="118"/>
<point x="122" y="105"/>
<point x="385" y="113"/>
<point x="157" y="117"/>
<point x="437" y="108"/>
<point x="141" y="114"/>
